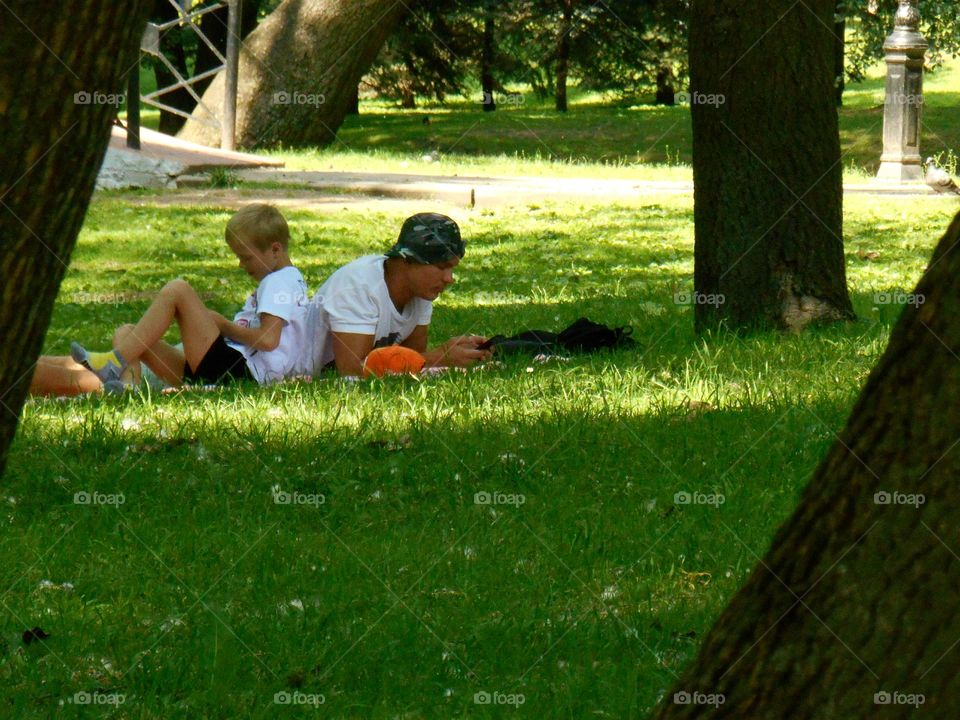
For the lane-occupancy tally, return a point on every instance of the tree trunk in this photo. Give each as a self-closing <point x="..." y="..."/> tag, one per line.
<point x="354" y="108"/>
<point x="839" y="52"/>
<point x="766" y="165"/>
<point x="488" y="51"/>
<point x="54" y="141"/>
<point x="298" y="71"/>
<point x="857" y="594"/>
<point x="563" y="55"/>
<point x="666" y="91"/>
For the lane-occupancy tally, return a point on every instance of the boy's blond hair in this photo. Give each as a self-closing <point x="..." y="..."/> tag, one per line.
<point x="259" y="224"/>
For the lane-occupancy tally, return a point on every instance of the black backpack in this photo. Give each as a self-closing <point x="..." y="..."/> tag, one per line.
<point x="582" y="336"/>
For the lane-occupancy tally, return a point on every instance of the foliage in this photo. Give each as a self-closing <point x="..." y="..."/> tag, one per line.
<point x="873" y="21"/>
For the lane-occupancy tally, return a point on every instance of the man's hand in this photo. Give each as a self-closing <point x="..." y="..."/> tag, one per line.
<point x="459" y="351"/>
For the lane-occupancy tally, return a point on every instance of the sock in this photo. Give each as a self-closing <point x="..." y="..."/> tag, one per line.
<point x="99" y="360"/>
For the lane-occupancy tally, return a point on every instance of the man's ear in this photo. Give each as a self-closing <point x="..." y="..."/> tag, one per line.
<point x="276" y="247"/>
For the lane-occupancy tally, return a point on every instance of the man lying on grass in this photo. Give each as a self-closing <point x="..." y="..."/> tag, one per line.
<point x="264" y="342"/>
<point x="384" y="300"/>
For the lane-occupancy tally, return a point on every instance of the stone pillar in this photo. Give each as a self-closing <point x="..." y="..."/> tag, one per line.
<point x="905" y="50"/>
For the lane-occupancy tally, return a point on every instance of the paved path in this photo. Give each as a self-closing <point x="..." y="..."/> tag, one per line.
<point x="491" y="191"/>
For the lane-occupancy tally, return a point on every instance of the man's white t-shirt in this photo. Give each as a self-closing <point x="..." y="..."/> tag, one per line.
<point x="282" y="293"/>
<point x="355" y="299"/>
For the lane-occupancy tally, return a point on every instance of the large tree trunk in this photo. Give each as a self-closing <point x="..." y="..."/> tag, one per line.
<point x="487" y="54"/>
<point x="839" y="52"/>
<point x="298" y="71"/>
<point x="61" y="74"/>
<point x="766" y="165"/>
<point x="858" y="594"/>
<point x="563" y="55"/>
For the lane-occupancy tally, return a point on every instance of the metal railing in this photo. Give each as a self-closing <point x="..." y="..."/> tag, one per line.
<point x="228" y="62"/>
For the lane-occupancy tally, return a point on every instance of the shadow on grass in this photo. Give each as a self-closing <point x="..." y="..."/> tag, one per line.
<point x="421" y="577"/>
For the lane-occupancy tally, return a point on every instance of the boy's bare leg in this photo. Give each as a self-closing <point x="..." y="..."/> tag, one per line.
<point x="176" y="302"/>
<point x="164" y="359"/>
<point x="62" y="376"/>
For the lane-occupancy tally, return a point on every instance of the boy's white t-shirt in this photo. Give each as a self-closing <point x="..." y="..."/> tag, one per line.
<point x="355" y="299"/>
<point x="282" y="293"/>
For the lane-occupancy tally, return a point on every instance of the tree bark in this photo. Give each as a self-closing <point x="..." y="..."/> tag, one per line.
<point x="666" y="92"/>
<point x="298" y="71"/>
<point x="563" y="55"/>
<point x="766" y="164"/>
<point x="857" y="594"/>
<point x="54" y="141"/>
<point x="487" y="53"/>
<point x="839" y="53"/>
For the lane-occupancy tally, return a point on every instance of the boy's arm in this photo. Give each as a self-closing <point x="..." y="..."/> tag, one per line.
<point x="264" y="338"/>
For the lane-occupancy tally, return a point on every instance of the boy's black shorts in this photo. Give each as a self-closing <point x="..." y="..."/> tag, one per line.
<point x="221" y="364"/>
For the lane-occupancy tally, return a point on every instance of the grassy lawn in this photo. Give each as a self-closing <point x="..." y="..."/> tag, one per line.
<point x="387" y="590"/>
<point x="596" y="138"/>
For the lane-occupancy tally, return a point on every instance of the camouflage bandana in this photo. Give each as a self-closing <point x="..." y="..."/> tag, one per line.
<point x="428" y="238"/>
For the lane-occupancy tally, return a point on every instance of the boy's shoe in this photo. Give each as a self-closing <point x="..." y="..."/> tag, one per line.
<point x="118" y="387"/>
<point x="105" y="365"/>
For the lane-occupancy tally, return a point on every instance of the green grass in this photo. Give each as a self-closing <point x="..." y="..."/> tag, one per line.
<point x="598" y="137"/>
<point x="399" y="596"/>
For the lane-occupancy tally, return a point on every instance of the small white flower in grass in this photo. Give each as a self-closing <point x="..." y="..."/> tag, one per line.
<point x="610" y="592"/>
<point x="650" y="504"/>
<point x="375" y="495"/>
<point x="448" y="692"/>
<point x="171" y="623"/>
<point x="11" y="500"/>
<point x="297" y="604"/>
<point x="129" y="423"/>
<point x="469" y="553"/>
